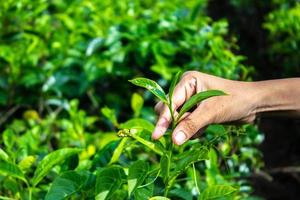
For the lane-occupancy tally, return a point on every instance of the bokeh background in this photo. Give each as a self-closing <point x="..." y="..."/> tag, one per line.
<point x="65" y="66"/>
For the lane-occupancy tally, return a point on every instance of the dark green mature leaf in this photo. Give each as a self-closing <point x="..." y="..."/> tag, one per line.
<point x="217" y="191"/>
<point x="137" y="173"/>
<point x="67" y="184"/>
<point x="108" y="181"/>
<point x="181" y="193"/>
<point x="10" y="169"/>
<point x="152" y="86"/>
<point x="184" y="160"/>
<point x="197" y="98"/>
<point x="104" y="156"/>
<point x="50" y="161"/>
<point x="173" y="84"/>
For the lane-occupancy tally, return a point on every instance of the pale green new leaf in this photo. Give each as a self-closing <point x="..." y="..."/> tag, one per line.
<point x="3" y="155"/>
<point x="108" y="181"/>
<point x="50" y="161"/>
<point x="217" y="191"/>
<point x="173" y="84"/>
<point x="152" y="86"/>
<point x="137" y="173"/>
<point x="159" y="198"/>
<point x="12" y="170"/>
<point x="137" y="123"/>
<point x="26" y="163"/>
<point x="137" y="102"/>
<point x="197" y="98"/>
<point x="118" y="151"/>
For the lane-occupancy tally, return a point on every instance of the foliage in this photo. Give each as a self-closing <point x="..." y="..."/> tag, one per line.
<point x="74" y="128"/>
<point x="283" y="25"/>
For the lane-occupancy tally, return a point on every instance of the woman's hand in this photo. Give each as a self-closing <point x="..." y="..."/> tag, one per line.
<point x="243" y="102"/>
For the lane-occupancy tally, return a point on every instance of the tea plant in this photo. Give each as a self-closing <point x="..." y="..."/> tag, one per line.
<point x="118" y="169"/>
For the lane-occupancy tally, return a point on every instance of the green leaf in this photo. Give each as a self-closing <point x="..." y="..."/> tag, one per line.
<point x="3" y="155"/>
<point x="138" y="123"/>
<point x="217" y="191"/>
<point x="118" y="151"/>
<point x="152" y="86"/>
<point x="181" y="193"/>
<point x="103" y="157"/>
<point x="110" y="114"/>
<point x="67" y="184"/>
<point x="173" y="84"/>
<point x="49" y="161"/>
<point x="137" y="173"/>
<point x="10" y="169"/>
<point x="26" y="163"/>
<point x="197" y="98"/>
<point x="184" y="160"/>
<point x="137" y="102"/>
<point x="108" y="181"/>
<point x="153" y="146"/>
<point x="8" y="138"/>
<point x="159" y="198"/>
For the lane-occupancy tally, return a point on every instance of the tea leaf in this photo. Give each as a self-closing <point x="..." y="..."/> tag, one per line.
<point x="137" y="102"/>
<point x="136" y="175"/>
<point x="118" y="151"/>
<point x="49" y="161"/>
<point x="108" y="181"/>
<point x="10" y="169"/>
<point x="159" y="198"/>
<point x="26" y="163"/>
<point x="152" y="86"/>
<point x="137" y="123"/>
<point x="217" y="191"/>
<point x="67" y="184"/>
<point x="154" y="147"/>
<point x="110" y="114"/>
<point x="184" y="160"/>
<point x="197" y="98"/>
<point x="103" y="157"/>
<point x="173" y="84"/>
<point x="3" y="155"/>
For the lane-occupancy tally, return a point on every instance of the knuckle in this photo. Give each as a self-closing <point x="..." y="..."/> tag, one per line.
<point x="190" y="126"/>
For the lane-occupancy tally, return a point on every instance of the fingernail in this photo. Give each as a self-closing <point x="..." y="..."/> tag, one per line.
<point x="180" y="137"/>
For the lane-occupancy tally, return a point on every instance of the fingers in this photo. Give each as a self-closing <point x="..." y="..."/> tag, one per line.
<point x="163" y="122"/>
<point x="189" y="126"/>
<point x="182" y="92"/>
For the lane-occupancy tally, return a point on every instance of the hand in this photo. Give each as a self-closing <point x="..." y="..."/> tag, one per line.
<point x="238" y="106"/>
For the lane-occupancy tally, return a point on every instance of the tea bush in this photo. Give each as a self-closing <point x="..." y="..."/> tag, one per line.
<point x="74" y="128"/>
<point x="283" y="25"/>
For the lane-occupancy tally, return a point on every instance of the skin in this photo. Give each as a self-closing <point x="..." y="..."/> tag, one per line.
<point x="244" y="102"/>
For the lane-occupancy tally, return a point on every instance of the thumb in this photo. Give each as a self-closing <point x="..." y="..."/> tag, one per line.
<point x="189" y="126"/>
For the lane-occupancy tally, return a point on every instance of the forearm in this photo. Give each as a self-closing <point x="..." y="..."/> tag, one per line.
<point x="279" y="97"/>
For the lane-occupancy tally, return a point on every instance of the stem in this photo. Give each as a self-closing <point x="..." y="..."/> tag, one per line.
<point x="195" y="178"/>
<point x="29" y="191"/>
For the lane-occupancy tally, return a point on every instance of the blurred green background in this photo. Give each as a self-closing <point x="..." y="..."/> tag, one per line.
<point x="65" y="66"/>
